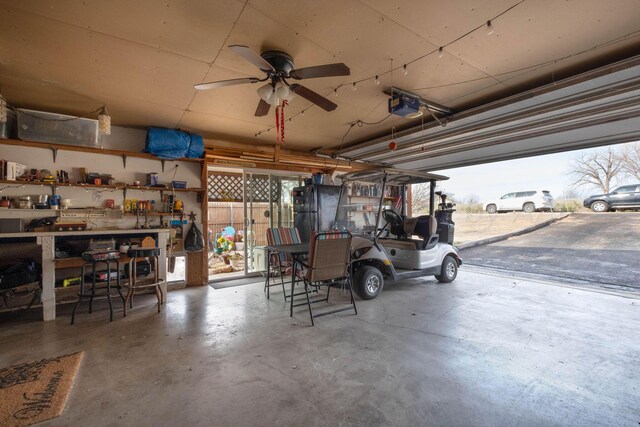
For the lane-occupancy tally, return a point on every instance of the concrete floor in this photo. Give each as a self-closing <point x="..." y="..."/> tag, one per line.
<point x="484" y="350"/>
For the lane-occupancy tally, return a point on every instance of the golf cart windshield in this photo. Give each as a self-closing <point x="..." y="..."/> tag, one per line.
<point x="366" y="194"/>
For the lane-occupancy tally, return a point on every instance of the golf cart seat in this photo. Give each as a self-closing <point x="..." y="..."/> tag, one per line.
<point x="424" y="226"/>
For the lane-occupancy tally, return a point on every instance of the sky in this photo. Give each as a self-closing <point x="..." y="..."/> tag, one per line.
<point x="490" y="181"/>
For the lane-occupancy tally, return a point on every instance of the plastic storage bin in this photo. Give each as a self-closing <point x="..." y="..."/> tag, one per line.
<point x="58" y="128"/>
<point x="8" y="128"/>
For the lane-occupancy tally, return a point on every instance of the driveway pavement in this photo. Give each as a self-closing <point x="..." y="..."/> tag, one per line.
<point x="597" y="249"/>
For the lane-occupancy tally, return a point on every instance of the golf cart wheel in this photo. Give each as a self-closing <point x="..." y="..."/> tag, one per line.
<point x="449" y="270"/>
<point x="529" y="207"/>
<point x="599" y="206"/>
<point x="492" y="209"/>
<point x="368" y="282"/>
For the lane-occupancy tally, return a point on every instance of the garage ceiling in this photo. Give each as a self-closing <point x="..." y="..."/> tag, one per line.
<point x="142" y="58"/>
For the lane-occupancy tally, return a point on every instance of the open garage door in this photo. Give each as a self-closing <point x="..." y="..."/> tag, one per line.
<point x="593" y="109"/>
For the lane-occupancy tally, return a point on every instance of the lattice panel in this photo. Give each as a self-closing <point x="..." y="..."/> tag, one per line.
<point x="258" y="188"/>
<point x="227" y="187"/>
<point x="224" y="187"/>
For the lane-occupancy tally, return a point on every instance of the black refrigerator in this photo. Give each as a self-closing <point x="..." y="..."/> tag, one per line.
<point x="314" y="208"/>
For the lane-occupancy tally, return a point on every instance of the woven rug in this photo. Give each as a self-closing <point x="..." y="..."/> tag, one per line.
<point x="36" y="391"/>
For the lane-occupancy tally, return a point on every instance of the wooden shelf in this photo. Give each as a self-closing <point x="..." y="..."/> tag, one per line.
<point x="120" y="153"/>
<point x="112" y="187"/>
<point x="184" y="190"/>
<point x="152" y="214"/>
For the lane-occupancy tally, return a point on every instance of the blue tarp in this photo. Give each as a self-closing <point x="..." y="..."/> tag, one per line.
<point x="196" y="148"/>
<point x="173" y="143"/>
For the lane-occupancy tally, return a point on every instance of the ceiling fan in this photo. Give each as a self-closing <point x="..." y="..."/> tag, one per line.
<point x="279" y="67"/>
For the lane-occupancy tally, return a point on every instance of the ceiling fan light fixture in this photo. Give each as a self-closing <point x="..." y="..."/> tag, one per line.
<point x="283" y="91"/>
<point x="273" y="99"/>
<point x="278" y="66"/>
<point x="265" y="92"/>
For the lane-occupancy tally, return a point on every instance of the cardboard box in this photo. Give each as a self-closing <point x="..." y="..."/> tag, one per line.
<point x="14" y="170"/>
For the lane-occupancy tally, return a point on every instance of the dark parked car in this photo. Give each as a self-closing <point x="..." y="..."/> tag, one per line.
<point x="625" y="197"/>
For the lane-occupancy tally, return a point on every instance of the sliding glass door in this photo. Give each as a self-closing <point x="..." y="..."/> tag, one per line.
<point x="257" y="219"/>
<point x="242" y="206"/>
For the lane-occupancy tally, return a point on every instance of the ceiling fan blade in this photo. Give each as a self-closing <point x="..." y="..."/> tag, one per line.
<point x="252" y="57"/>
<point x="310" y="95"/>
<point x="263" y="108"/>
<point x="222" y="83"/>
<point x="328" y="70"/>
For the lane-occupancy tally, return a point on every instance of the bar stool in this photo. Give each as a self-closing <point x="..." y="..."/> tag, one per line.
<point x="134" y="254"/>
<point x="94" y="259"/>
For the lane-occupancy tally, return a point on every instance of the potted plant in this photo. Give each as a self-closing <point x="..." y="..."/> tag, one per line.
<point x="235" y="260"/>
<point x="239" y="242"/>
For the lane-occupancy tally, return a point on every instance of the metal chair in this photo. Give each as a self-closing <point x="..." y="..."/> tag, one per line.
<point x="151" y="253"/>
<point x="280" y="264"/>
<point x="329" y="264"/>
<point x="93" y="260"/>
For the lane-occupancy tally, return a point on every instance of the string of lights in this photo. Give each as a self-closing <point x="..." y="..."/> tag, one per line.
<point x="6" y="187"/>
<point x="405" y="67"/>
<point x="515" y="73"/>
<point x="534" y="66"/>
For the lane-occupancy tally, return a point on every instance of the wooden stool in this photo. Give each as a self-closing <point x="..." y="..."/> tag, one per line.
<point x="151" y="253"/>
<point x="93" y="259"/>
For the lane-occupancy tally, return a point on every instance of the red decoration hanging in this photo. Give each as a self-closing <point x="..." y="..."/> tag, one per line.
<point x="393" y="144"/>
<point x="280" y="121"/>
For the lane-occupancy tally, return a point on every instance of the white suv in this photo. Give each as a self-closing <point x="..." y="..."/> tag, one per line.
<point x="527" y="201"/>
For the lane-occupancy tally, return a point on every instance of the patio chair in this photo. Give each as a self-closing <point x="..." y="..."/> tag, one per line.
<point x="280" y="264"/>
<point x="329" y="264"/>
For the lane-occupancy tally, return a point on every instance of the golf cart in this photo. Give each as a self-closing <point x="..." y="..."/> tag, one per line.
<point x="387" y="245"/>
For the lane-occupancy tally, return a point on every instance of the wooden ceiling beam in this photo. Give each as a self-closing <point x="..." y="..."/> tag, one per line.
<point x="275" y="157"/>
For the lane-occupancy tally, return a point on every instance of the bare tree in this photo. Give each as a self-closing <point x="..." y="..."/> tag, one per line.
<point x="598" y="169"/>
<point x="471" y="199"/>
<point x="631" y="160"/>
<point x="420" y="198"/>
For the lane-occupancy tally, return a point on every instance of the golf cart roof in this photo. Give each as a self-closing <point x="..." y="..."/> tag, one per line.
<point x="394" y="176"/>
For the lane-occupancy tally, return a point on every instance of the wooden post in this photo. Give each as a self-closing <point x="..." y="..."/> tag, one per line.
<point x="204" y="212"/>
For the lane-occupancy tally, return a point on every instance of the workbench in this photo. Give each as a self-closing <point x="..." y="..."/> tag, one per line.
<point x="47" y="242"/>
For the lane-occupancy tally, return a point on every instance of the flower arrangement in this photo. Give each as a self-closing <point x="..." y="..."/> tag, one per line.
<point x="225" y="243"/>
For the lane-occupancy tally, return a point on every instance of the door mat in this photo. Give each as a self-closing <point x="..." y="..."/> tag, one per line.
<point x="36" y="391"/>
<point x="235" y="282"/>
